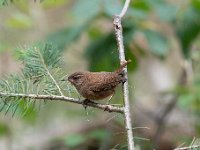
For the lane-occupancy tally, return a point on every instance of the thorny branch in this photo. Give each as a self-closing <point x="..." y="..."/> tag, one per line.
<point x="108" y="108"/>
<point x="119" y="37"/>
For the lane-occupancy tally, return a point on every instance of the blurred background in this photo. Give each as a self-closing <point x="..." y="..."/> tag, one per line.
<point x="161" y="38"/>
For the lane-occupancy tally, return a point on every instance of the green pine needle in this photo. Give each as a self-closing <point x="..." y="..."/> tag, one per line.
<point x="41" y="74"/>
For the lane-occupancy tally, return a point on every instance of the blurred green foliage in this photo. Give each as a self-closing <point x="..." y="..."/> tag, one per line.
<point x="190" y="95"/>
<point x="64" y="37"/>
<point x="147" y="17"/>
<point x="76" y="140"/>
<point x="41" y="62"/>
<point x="4" y="129"/>
<point x="158" y="44"/>
<point x="188" y="26"/>
<point x="103" y="45"/>
<point x="185" y="21"/>
<point x="19" y="21"/>
<point x="53" y="3"/>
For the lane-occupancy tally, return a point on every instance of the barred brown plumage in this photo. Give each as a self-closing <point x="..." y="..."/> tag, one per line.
<point x="97" y="85"/>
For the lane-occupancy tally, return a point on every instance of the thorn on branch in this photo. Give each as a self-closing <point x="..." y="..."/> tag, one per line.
<point x="117" y="22"/>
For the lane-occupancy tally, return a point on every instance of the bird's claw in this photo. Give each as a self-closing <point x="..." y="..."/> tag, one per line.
<point x="107" y="108"/>
<point x="86" y="102"/>
<point x="122" y="74"/>
<point x="124" y="80"/>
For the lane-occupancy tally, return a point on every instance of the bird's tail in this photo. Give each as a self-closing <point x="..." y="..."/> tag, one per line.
<point x="120" y="69"/>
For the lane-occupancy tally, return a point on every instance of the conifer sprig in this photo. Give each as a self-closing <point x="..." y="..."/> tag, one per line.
<point x="41" y="74"/>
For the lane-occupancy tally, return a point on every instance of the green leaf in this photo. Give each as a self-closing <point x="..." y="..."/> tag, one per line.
<point x="112" y="7"/>
<point x="188" y="28"/>
<point x="186" y="100"/>
<point x="196" y="4"/>
<point x="53" y="3"/>
<point x="158" y="43"/>
<point x="166" y="12"/>
<point x="102" y="52"/>
<point x="141" y="5"/>
<point x="137" y="14"/>
<point x="85" y="10"/>
<point x="21" y="5"/>
<point x="99" y="134"/>
<point x="4" y="2"/>
<point x="65" y="37"/>
<point x="4" y="129"/>
<point x="3" y="47"/>
<point x="20" y="21"/>
<point x="74" y="140"/>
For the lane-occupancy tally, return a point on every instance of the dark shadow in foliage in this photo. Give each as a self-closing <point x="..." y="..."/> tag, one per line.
<point x="188" y="27"/>
<point x="65" y="37"/>
<point x="102" y="53"/>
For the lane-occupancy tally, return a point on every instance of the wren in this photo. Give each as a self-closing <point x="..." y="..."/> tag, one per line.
<point x="98" y="85"/>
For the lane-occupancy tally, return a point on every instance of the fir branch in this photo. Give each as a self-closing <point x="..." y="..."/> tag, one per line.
<point x="48" y="72"/>
<point x="41" y="69"/>
<point x="63" y="98"/>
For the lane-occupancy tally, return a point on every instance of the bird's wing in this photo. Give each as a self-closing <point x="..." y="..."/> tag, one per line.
<point x="103" y="87"/>
<point x="109" y="84"/>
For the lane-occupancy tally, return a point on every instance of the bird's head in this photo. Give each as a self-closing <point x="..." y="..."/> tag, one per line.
<point x="77" y="78"/>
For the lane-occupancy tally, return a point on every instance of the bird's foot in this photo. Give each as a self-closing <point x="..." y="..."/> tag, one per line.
<point x="122" y="73"/>
<point x="124" y="80"/>
<point x="85" y="103"/>
<point x="107" y="108"/>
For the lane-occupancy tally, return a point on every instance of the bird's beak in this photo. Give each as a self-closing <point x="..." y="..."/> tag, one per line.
<point x="65" y="78"/>
<point x="69" y="79"/>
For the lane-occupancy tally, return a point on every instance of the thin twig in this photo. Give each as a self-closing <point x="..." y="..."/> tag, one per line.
<point x="47" y="70"/>
<point x="194" y="140"/>
<point x="125" y="8"/>
<point x="141" y="128"/>
<point x="179" y="146"/>
<point x="119" y="37"/>
<point x="188" y="148"/>
<point x="66" y="99"/>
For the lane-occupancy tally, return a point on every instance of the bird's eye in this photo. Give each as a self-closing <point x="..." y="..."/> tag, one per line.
<point x="77" y="77"/>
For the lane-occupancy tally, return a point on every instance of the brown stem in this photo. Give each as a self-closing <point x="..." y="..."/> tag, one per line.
<point x="66" y="99"/>
<point x="119" y="37"/>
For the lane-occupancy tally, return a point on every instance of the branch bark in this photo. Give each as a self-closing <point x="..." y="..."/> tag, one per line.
<point x="125" y="8"/>
<point x="119" y="37"/>
<point x="187" y="148"/>
<point x="108" y="108"/>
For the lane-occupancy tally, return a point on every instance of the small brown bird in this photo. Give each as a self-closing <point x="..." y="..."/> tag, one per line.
<point x="97" y="85"/>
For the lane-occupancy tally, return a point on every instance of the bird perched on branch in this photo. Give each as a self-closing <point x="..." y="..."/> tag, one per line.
<point x="98" y="85"/>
